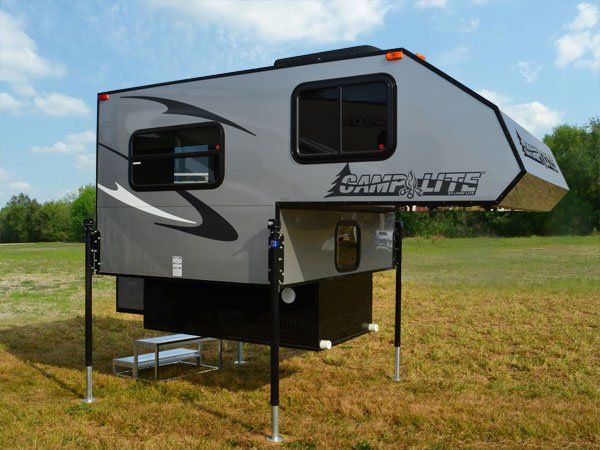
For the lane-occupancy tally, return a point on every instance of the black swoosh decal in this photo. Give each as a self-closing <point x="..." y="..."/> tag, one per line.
<point x="114" y="151"/>
<point x="213" y="225"/>
<point x="185" y="109"/>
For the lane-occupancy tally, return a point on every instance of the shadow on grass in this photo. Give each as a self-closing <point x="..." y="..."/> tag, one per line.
<point x="54" y="379"/>
<point x="61" y="344"/>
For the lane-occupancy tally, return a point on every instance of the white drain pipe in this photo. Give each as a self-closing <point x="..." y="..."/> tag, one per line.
<point x="325" y="345"/>
<point x="371" y="327"/>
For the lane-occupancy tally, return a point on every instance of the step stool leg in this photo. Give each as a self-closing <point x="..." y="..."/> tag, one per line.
<point x="240" y="354"/>
<point x="156" y="361"/>
<point x="135" y="362"/>
<point x="220" y="353"/>
<point x="199" y="358"/>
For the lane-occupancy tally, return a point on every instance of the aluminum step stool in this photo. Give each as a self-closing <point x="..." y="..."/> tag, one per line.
<point x="160" y="357"/>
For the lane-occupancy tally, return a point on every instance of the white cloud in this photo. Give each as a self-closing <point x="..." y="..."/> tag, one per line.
<point x="72" y="143"/>
<point x="528" y="70"/>
<point x="494" y="97"/>
<point x="453" y="57"/>
<point x="21" y="186"/>
<point x="20" y="61"/>
<point x="468" y="26"/>
<point x="19" y="64"/>
<point x="572" y="47"/>
<point x="53" y="104"/>
<point x="581" y="46"/>
<point x="9" y="184"/>
<point x="25" y="90"/>
<point x="85" y="161"/>
<point x="317" y="21"/>
<point x="10" y="104"/>
<point x="587" y="17"/>
<point x="56" y="104"/>
<point x="78" y="144"/>
<point x="430" y="4"/>
<point x="534" y="116"/>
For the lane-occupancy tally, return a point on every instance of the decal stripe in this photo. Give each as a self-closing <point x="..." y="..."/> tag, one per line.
<point x="114" y="151"/>
<point x="213" y="225"/>
<point x="185" y="109"/>
<point x="124" y="196"/>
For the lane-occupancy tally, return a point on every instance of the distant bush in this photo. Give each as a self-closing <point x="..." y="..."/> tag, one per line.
<point x="55" y="221"/>
<point x="20" y="220"/>
<point x="24" y="219"/>
<point x="82" y="207"/>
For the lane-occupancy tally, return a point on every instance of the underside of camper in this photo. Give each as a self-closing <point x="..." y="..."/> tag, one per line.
<point x="324" y="148"/>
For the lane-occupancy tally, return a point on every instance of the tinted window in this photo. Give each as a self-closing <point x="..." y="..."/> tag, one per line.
<point x="319" y="110"/>
<point x="177" y="158"/>
<point x="345" y="119"/>
<point x="364" y="117"/>
<point x="347" y="246"/>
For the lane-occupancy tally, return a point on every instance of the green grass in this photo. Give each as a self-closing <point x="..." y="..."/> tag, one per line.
<point x="500" y="348"/>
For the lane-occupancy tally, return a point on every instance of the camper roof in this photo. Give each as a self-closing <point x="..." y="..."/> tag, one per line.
<point x="331" y="55"/>
<point x="359" y="51"/>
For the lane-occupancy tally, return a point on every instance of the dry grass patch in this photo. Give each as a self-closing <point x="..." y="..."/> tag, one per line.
<point x="500" y="349"/>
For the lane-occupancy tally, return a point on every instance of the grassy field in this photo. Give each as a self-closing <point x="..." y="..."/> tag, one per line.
<point x="501" y="348"/>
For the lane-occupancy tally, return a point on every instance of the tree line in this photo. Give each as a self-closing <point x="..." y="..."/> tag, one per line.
<point x="24" y="219"/>
<point x="577" y="151"/>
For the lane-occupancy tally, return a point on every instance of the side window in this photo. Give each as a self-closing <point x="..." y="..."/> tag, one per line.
<point x="365" y="117"/>
<point x="346" y="119"/>
<point x="187" y="157"/>
<point x="347" y="246"/>
<point x="319" y="118"/>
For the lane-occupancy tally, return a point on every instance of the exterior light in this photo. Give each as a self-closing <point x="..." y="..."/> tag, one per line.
<point x="393" y="56"/>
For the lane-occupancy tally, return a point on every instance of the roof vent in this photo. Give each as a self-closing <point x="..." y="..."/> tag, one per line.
<point x="342" y="53"/>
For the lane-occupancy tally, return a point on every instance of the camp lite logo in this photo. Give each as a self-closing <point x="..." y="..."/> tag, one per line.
<point x="537" y="155"/>
<point x="348" y="184"/>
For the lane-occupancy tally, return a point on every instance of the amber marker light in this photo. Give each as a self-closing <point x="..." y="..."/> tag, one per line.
<point x="393" y="56"/>
<point x="421" y="56"/>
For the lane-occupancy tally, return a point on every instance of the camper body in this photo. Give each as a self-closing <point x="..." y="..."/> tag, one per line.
<point x="330" y="145"/>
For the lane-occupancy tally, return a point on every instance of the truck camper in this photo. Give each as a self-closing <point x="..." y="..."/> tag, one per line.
<point x="255" y="206"/>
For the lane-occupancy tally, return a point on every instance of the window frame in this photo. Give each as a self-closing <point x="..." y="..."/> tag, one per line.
<point x="341" y="156"/>
<point x="179" y="186"/>
<point x="353" y="268"/>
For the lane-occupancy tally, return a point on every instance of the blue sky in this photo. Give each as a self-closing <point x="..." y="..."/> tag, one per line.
<point x="538" y="59"/>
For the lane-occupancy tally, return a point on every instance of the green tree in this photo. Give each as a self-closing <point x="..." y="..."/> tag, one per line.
<point x="577" y="151"/>
<point x="20" y="220"/>
<point x="83" y="207"/>
<point x="55" y="218"/>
